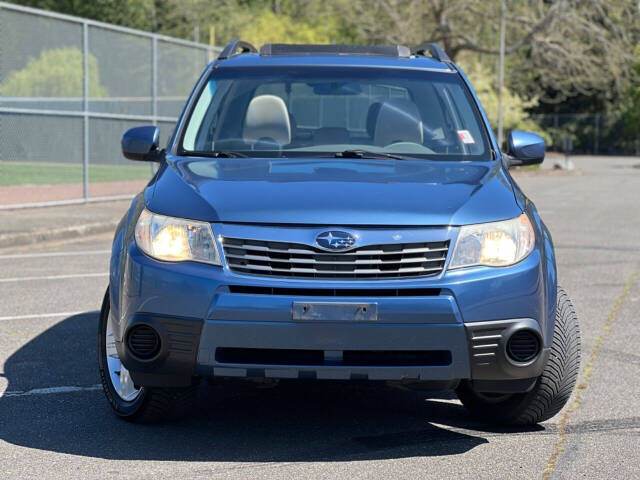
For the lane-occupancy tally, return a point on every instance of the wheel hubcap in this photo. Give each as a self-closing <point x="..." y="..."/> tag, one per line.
<point x="118" y="374"/>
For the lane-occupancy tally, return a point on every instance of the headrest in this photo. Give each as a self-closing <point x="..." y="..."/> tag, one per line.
<point x="267" y="119"/>
<point x="398" y="121"/>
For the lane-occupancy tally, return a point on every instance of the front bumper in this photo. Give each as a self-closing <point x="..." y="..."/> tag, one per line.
<point x="210" y="327"/>
<point x="334" y="351"/>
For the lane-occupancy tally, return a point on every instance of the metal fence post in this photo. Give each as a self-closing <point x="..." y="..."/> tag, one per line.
<point x="503" y="7"/>
<point x="596" y="140"/>
<point x="154" y="79"/>
<point x="85" y="95"/>
<point x="154" y="87"/>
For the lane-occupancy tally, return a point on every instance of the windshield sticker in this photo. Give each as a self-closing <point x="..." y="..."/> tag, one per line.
<point x="465" y="136"/>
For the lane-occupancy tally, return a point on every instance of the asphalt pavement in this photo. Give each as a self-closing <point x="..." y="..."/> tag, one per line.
<point x="56" y="423"/>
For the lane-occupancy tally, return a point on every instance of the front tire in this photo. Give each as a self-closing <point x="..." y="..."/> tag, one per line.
<point x="552" y="389"/>
<point x="131" y="402"/>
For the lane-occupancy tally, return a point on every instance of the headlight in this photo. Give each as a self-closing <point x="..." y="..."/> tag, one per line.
<point x="176" y="239"/>
<point x="496" y="244"/>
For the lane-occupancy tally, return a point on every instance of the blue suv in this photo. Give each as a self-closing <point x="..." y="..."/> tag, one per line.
<point x="336" y="212"/>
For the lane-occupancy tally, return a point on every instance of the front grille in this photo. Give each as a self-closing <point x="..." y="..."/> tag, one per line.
<point x="335" y="292"/>
<point x="298" y="260"/>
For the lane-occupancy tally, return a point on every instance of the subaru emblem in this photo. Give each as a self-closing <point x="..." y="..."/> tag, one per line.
<point x="335" y="241"/>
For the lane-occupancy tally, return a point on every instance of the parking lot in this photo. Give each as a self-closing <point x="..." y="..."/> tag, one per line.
<point x="55" y="422"/>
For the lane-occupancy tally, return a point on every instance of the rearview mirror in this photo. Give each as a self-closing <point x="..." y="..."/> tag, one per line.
<point x="141" y="144"/>
<point x="336" y="88"/>
<point x="525" y="148"/>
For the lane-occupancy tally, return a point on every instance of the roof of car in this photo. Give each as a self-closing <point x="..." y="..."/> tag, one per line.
<point x="322" y="60"/>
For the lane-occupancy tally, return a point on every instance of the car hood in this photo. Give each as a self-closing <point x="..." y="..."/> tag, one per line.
<point x="332" y="191"/>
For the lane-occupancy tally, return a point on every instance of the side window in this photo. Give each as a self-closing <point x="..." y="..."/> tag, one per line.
<point x="197" y="116"/>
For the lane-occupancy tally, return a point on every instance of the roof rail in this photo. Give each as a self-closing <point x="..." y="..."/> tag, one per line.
<point x="301" y="49"/>
<point x="232" y="49"/>
<point x="434" y="50"/>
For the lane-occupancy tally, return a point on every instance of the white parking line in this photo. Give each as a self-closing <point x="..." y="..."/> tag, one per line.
<point x="52" y="254"/>
<point x="50" y="390"/>
<point x="53" y="277"/>
<point x="43" y="315"/>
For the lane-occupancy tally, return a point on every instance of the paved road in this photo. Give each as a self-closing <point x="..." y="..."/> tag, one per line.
<point x="55" y="423"/>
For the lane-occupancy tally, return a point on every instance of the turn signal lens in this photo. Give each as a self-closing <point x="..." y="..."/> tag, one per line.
<point x="496" y="244"/>
<point x="176" y="239"/>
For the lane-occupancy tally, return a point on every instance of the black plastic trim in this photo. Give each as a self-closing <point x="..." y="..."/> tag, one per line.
<point x="335" y="292"/>
<point x="488" y="355"/>
<point x="232" y="49"/>
<point x="523" y="346"/>
<point x="504" y="386"/>
<point x="436" y="52"/>
<point x="175" y="362"/>
<point x="141" y="337"/>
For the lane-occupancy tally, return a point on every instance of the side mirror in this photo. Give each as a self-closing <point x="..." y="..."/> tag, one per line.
<point x="525" y="148"/>
<point x="141" y="144"/>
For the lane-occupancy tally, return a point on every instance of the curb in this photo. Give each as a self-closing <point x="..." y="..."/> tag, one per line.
<point x="74" y="231"/>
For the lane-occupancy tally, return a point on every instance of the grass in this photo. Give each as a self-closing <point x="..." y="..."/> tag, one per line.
<point x="23" y="173"/>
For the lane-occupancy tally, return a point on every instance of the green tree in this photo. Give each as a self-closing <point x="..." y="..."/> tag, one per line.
<point x="128" y="13"/>
<point x="558" y="48"/>
<point x="234" y="19"/>
<point x="269" y="27"/>
<point x="58" y="72"/>
<point x="515" y="116"/>
<point x="630" y="106"/>
<point x="193" y="19"/>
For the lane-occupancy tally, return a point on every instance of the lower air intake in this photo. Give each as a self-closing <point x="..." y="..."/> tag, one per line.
<point x="523" y="346"/>
<point x="350" y="358"/>
<point x="143" y="341"/>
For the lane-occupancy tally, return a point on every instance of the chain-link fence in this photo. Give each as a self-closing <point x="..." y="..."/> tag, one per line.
<point x="69" y="88"/>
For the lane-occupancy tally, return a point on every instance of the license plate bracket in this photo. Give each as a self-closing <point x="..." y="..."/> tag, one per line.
<point x="334" y="311"/>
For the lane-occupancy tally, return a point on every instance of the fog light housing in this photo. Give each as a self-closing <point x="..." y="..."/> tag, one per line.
<point x="143" y="341"/>
<point x="523" y="346"/>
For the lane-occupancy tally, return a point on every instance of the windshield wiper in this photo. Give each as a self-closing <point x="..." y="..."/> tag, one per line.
<point x="228" y="154"/>
<point x="366" y="154"/>
<point x="217" y="154"/>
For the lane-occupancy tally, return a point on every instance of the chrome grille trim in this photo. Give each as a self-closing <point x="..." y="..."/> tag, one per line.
<point x="304" y="261"/>
<point x="357" y="251"/>
<point x="358" y="261"/>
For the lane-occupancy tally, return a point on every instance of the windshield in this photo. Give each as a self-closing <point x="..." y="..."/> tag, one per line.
<point x="313" y="111"/>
